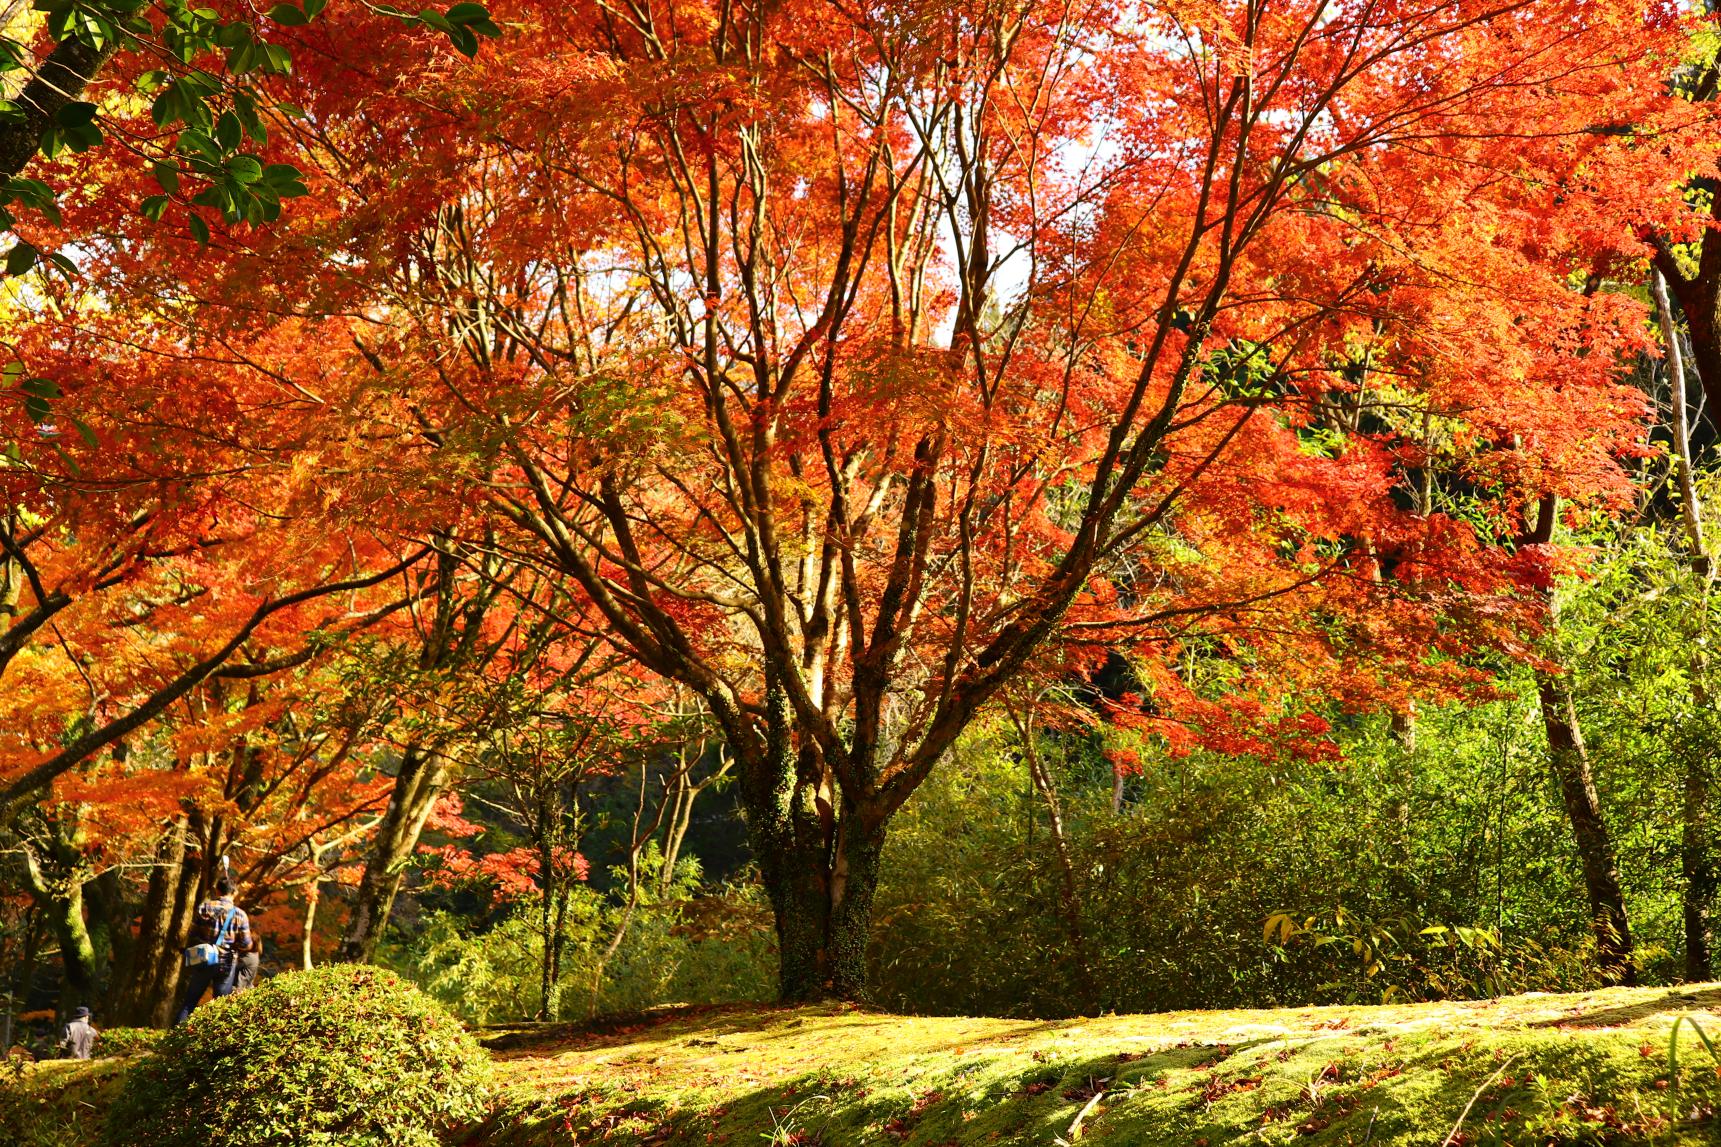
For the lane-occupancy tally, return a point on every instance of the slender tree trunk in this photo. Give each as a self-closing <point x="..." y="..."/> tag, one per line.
<point x="1697" y="869"/>
<point x="1571" y="768"/>
<point x="421" y="779"/>
<point x="312" y="894"/>
<point x="1569" y="761"/>
<point x="1070" y="902"/>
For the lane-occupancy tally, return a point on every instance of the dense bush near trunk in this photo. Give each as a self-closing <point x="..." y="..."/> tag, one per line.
<point x="126" y="1041"/>
<point x="348" y="1055"/>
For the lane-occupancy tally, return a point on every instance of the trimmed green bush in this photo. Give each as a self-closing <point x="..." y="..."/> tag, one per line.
<point x="125" y="1041"/>
<point x="344" y="1056"/>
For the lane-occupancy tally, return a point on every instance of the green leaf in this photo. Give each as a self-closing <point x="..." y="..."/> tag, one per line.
<point x="78" y="113"/>
<point x="154" y="207"/>
<point x="166" y="174"/>
<point x="40" y="387"/>
<point x="199" y="230"/>
<point x="313" y="7"/>
<point x="195" y="142"/>
<point x="245" y="107"/>
<point x="10" y="374"/>
<point x="20" y="258"/>
<point x="464" y="41"/>
<point x="289" y="16"/>
<point x="245" y="168"/>
<point x="228" y="131"/>
<point x="233" y="35"/>
<point x="38" y="409"/>
<point x="467" y="13"/>
<point x="84" y="432"/>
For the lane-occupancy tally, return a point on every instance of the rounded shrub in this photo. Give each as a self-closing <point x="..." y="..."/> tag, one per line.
<point x="343" y="1056"/>
<point x="126" y="1041"/>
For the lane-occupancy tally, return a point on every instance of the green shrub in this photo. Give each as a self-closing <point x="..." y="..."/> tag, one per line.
<point x="349" y="1055"/>
<point x="126" y="1041"/>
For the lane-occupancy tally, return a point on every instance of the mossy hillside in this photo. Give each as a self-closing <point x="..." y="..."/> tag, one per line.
<point x="60" y="1103"/>
<point x="1589" y="1068"/>
<point x="1573" y="1069"/>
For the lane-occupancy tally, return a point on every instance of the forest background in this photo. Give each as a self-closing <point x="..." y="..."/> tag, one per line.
<point x="1003" y="508"/>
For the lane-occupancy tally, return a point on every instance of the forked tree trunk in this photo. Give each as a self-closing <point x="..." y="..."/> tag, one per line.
<point x="420" y="781"/>
<point x="818" y="860"/>
<point x="823" y="909"/>
<point x="60" y="898"/>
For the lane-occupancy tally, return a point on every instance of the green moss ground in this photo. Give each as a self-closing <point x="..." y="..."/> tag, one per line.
<point x="56" y="1104"/>
<point x="1589" y="1068"/>
<point x="1572" y="1069"/>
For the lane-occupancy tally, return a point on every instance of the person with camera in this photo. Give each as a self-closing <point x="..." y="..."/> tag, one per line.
<point x="223" y="931"/>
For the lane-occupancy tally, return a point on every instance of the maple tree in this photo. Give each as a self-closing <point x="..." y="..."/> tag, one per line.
<point x="851" y="364"/>
<point x="865" y="358"/>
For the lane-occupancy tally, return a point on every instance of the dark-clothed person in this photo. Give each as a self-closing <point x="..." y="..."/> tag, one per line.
<point x="250" y="963"/>
<point x="79" y="1037"/>
<point x="224" y="924"/>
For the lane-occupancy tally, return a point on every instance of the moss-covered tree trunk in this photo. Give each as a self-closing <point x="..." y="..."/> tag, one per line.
<point x="818" y="858"/>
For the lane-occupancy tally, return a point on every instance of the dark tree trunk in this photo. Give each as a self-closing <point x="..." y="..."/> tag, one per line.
<point x="1569" y="761"/>
<point x="185" y="896"/>
<point x="1571" y="768"/>
<point x="420" y="781"/>
<point x="59" y="80"/>
<point x="819" y="864"/>
<point x="823" y="910"/>
<point x="155" y="954"/>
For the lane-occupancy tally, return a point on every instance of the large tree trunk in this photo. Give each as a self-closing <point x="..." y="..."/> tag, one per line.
<point x="823" y="910"/>
<point x="60" y="898"/>
<point x="170" y="967"/>
<point x="420" y="781"/>
<point x="1571" y="768"/>
<point x="819" y="863"/>
<point x="154" y="950"/>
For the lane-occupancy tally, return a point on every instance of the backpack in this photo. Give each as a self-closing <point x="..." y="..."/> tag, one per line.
<point x="202" y="955"/>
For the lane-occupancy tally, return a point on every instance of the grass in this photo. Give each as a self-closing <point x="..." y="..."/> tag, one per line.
<point x="1569" y="1069"/>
